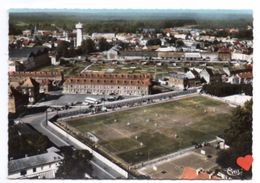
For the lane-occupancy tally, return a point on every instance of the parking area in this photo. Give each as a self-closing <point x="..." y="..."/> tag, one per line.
<point x="70" y="99"/>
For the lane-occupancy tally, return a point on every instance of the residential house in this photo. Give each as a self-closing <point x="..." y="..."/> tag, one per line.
<point x="16" y="101"/>
<point x="210" y="56"/>
<point x="42" y="166"/>
<point x="189" y="173"/>
<point x="171" y="55"/>
<point x="47" y="80"/>
<point x="224" y="54"/>
<point x="193" y="78"/>
<point x="30" y="88"/>
<point x="112" y="53"/>
<point x="192" y="56"/>
<point x="242" y="57"/>
<point x="211" y="75"/>
<point x="30" y="58"/>
<point x="239" y="75"/>
<point x="177" y="80"/>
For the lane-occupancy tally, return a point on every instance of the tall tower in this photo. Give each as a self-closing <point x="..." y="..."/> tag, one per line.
<point x="79" y="28"/>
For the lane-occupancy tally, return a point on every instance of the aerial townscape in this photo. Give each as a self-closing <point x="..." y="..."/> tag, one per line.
<point x="129" y="94"/>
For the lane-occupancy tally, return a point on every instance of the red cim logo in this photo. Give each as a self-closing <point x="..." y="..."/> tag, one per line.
<point x="245" y="162"/>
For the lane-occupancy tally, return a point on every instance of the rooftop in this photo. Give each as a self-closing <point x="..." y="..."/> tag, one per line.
<point x="26" y="52"/>
<point x="33" y="161"/>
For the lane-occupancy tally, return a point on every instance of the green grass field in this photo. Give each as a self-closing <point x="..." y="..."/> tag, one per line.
<point x="145" y="133"/>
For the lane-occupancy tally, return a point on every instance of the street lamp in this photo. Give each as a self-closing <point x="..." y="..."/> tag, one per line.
<point x="46" y="117"/>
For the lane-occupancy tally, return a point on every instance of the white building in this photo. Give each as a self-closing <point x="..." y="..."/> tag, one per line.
<point x="241" y="56"/>
<point x="54" y="60"/>
<point x="192" y="56"/>
<point x="180" y="36"/>
<point x="112" y="53"/>
<point x="108" y="36"/>
<point x="210" y="56"/>
<point x="79" y="28"/>
<point x="39" y="166"/>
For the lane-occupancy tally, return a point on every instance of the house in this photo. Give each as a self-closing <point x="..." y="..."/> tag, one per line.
<point x="38" y="166"/>
<point x="16" y="101"/>
<point x="177" y="80"/>
<point x="14" y="66"/>
<point x="137" y="54"/>
<point x="30" y="88"/>
<point x="211" y="75"/>
<point x="108" y="36"/>
<point x="189" y="173"/>
<point x="185" y="80"/>
<point x="47" y="80"/>
<point x="210" y="56"/>
<point x="30" y="58"/>
<point x="193" y="78"/>
<point x="239" y="75"/>
<point x="242" y="57"/>
<point x="170" y="53"/>
<point x="192" y="56"/>
<point x="245" y="77"/>
<point x="113" y="52"/>
<point x="27" y="32"/>
<point x="224" y="54"/>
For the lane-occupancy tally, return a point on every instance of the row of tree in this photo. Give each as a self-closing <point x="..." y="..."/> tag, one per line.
<point x="239" y="137"/>
<point x="75" y="165"/>
<point x="25" y="144"/>
<point x="66" y="49"/>
<point x="225" y="89"/>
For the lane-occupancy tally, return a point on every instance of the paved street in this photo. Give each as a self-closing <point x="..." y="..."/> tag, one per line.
<point x="65" y="99"/>
<point x="38" y="121"/>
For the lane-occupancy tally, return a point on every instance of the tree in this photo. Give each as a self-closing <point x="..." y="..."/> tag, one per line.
<point x="20" y="144"/>
<point x="225" y="89"/>
<point x="103" y="44"/>
<point x="88" y="46"/>
<point x="239" y="137"/>
<point x="62" y="48"/>
<point x="179" y="43"/>
<point x="153" y="42"/>
<point x="14" y="30"/>
<point x="75" y="164"/>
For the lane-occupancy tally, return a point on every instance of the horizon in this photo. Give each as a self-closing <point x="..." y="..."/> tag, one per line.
<point x="109" y="10"/>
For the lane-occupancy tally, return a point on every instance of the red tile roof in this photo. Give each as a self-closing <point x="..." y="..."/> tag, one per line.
<point x="191" y="174"/>
<point x="110" y="79"/>
<point x="246" y="75"/>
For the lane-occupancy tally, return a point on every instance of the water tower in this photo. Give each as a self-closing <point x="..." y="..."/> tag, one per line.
<point x="79" y="28"/>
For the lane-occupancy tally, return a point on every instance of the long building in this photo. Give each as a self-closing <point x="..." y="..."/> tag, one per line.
<point x="108" y="83"/>
<point x="47" y="80"/>
<point x="37" y="75"/>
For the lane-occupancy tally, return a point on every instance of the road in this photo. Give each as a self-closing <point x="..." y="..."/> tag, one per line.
<point x="38" y="121"/>
<point x="85" y="70"/>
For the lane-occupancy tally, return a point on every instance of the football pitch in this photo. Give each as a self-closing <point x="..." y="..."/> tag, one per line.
<point x="140" y="134"/>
